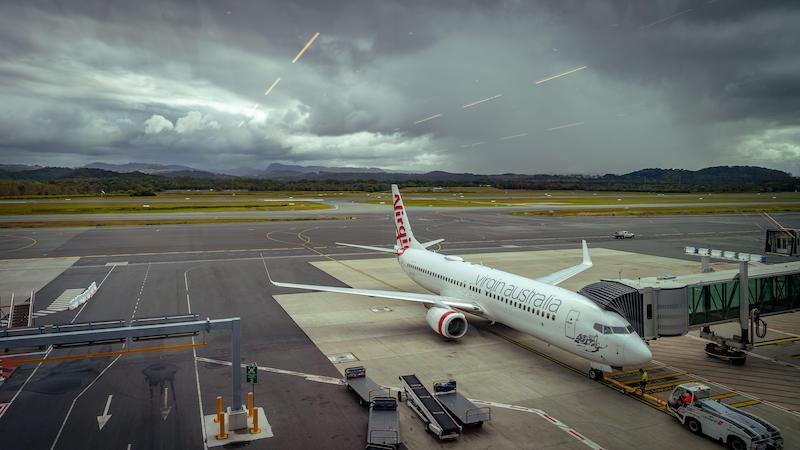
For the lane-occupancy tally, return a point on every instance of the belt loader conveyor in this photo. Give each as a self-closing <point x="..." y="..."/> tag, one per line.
<point x="428" y="408"/>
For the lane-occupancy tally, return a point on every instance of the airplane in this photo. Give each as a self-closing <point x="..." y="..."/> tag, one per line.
<point x="537" y="306"/>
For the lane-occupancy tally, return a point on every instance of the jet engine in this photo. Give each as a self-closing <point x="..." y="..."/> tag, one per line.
<point x="446" y="322"/>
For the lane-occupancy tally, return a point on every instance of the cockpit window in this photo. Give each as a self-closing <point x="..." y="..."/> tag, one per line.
<point x="598" y="327"/>
<point x="620" y="330"/>
<point x="630" y="329"/>
<point x="606" y="329"/>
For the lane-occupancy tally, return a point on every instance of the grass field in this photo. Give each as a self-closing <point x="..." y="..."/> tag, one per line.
<point x="660" y="211"/>
<point x="143" y="222"/>
<point x="613" y="200"/>
<point x="143" y="206"/>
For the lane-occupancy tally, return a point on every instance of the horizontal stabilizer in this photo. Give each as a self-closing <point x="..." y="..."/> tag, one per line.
<point x="431" y="243"/>
<point x="367" y="247"/>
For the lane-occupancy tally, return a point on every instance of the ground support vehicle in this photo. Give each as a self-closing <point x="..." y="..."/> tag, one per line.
<point x="692" y="405"/>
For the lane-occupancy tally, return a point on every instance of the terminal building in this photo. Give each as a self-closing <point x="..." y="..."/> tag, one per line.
<point x="670" y="305"/>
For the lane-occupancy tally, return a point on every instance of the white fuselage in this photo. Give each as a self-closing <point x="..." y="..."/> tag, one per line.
<point x="555" y="315"/>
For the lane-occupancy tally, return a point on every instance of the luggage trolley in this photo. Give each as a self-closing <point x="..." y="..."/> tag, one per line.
<point x="383" y="429"/>
<point x="459" y="406"/>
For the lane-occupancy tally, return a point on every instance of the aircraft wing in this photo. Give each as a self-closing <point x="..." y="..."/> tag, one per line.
<point x="438" y="300"/>
<point x="430" y="299"/>
<point x="562" y="275"/>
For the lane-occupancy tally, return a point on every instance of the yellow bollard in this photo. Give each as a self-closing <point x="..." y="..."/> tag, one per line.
<point x="222" y="432"/>
<point x="219" y="408"/>
<point x="255" y="429"/>
<point x="249" y="404"/>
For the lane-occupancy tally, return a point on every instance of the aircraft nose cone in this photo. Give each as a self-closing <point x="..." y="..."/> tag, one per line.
<point x="637" y="352"/>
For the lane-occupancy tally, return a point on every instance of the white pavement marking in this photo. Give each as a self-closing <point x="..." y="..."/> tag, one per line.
<point x="47" y="353"/>
<point x="196" y="372"/>
<point x="728" y="388"/>
<point x="543" y="414"/>
<point x="786" y="333"/>
<point x="141" y="289"/>
<point x="307" y="376"/>
<point x="338" y="381"/>
<point x="75" y="400"/>
<point x="102" y="420"/>
<point x="72" y="406"/>
<point x="61" y="303"/>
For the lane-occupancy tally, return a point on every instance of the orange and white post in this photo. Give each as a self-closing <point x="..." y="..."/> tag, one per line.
<point x="221" y="420"/>
<point x="255" y="429"/>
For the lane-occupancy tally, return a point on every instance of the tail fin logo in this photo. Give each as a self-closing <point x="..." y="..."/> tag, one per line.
<point x="400" y="226"/>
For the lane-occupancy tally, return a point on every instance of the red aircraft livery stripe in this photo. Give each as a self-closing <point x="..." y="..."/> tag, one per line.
<point x="441" y="320"/>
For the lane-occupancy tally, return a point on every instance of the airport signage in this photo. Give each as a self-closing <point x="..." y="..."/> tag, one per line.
<point x="251" y="373"/>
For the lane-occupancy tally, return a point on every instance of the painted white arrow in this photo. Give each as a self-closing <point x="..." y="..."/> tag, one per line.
<point x="166" y="408"/>
<point x="103" y="420"/>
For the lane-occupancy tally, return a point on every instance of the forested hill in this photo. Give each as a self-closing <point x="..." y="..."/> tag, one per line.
<point x="19" y="180"/>
<point x="722" y="174"/>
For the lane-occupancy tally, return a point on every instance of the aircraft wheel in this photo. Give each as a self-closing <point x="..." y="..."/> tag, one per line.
<point x="595" y="374"/>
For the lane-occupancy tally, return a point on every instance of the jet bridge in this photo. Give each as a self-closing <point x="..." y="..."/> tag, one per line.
<point x="670" y="305"/>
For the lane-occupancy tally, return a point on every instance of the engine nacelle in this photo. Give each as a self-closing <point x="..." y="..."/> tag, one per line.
<point x="446" y="322"/>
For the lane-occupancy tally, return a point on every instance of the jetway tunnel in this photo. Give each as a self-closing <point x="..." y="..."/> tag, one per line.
<point x="670" y="306"/>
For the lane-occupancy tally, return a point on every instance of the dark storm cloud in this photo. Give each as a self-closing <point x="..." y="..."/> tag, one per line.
<point x="669" y="83"/>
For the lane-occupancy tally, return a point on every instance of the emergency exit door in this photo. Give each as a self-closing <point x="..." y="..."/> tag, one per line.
<point x="572" y="319"/>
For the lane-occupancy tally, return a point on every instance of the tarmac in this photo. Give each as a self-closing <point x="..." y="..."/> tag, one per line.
<point x="217" y="271"/>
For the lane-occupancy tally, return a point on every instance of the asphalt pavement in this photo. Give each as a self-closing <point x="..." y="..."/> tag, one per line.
<point x="157" y="399"/>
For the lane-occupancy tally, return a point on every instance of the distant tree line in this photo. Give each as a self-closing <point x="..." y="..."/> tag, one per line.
<point x="150" y="186"/>
<point x="65" y="181"/>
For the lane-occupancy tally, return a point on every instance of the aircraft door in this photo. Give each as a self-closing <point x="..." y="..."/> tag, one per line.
<point x="572" y="319"/>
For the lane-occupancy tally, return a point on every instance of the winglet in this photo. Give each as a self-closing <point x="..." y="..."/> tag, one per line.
<point x="587" y="260"/>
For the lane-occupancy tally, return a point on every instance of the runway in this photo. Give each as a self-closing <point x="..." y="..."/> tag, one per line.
<point x="216" y="271"/>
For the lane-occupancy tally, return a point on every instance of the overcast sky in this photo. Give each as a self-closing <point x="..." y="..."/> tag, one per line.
<point x="683" y="84"/>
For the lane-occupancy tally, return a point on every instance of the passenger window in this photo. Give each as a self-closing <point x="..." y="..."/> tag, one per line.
<point x="548" y="315"/>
